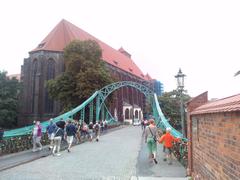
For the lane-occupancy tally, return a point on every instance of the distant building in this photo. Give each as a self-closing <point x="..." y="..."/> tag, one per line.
<point x="46" y="61"/>
<point x="157" y="87"/>
<point x="214" y="136"/>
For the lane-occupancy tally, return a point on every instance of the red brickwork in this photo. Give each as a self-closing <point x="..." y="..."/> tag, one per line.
<point x="214" y="143"/>
<point x="191" y="105"/>
<point x="216" y="146"/>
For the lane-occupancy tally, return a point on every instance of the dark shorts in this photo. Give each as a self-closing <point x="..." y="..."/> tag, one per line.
<point x="168" y="150"/>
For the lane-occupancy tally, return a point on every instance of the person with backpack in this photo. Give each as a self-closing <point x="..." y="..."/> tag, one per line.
<point x="50" y="131"/>
<point x="151" y="140"/>
<point x="168" y="140"/>
<point x="58" y="136"/>
<point x="71" y="131"/>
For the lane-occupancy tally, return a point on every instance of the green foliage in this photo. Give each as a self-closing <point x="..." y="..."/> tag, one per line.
<point x="9" y="91"/>
<point x="170" y="105"/>
<point x="85" y="72"/>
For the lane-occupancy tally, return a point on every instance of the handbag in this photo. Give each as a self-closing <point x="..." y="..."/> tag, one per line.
<point x="154" y="137"/>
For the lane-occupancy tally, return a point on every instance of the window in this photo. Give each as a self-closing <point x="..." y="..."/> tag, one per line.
<point x="41" y="45"/>
<point x="50" y="75"/>
<point x="127" y="113"/>
<point x="115" y="62"/>
<point x="34" y="76"/>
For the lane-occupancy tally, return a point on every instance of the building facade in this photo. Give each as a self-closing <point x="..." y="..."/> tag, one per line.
<point x="214" y="135"/>
<point x="46" y="61"/>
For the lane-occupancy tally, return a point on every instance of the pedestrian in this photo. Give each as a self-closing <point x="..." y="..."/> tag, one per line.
<point x="78" y="134"/>
<point x="90" y="130"/>
<point x="142" y="124"/>
<point x="168" y="140"/>
<point x="101" y="126"/>
<point x="84" y="130"/>
<point x="1" y="133"/>
<point x="36" y="136"/>
<point x="59" y="133"/>
<point x="151" y="140"/>
<point x="97" y="131"/>
<point x="105" y="125"/>
<point x="71" y="131"/>
<point x="50" y="131"/>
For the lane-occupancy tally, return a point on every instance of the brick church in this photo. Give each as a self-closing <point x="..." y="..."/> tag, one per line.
<point x="46" y="61"/>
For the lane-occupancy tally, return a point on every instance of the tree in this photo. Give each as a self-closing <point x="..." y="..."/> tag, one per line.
<point x="170" y="105"/>
<point x="9" y="91"/>
<point x="85" y="72"/>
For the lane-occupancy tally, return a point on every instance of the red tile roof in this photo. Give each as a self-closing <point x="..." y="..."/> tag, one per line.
<point x="228" y="104"/>
<point x="65" y="32"/>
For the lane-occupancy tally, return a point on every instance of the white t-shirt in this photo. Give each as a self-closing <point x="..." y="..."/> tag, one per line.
<point x="35" y="130"/>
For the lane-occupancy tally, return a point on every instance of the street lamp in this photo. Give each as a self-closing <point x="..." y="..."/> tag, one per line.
<point x="180" y="86"/>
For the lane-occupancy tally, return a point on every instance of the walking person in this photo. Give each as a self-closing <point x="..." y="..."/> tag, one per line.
<point x="105" y="125"/>
<point x="151" y="140"/>
<point x="90" y="130"/>
<point x="50" y="131"/>
<point x="59" y="133"/>
<point x="71" y="131"/>
<point x="97" y="131"/>
<point x="36" y="136"/>
<point x="101" y="126"/>
<point x="168" y="140"/>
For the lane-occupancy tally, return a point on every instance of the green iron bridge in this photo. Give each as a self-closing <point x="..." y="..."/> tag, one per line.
<point x="97" y="102"/>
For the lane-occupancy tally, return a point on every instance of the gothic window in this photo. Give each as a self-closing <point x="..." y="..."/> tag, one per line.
<point x="50" y="75"/>
<point x="34" y="76"/>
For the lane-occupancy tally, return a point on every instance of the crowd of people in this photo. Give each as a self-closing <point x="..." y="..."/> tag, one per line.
<point x="152" y="137"/>
<point x="71" y="131"/>
<point x="79" y="130"/>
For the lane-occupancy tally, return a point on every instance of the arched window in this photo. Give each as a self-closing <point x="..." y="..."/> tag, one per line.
<point x="34" y="76"/>
<point x="136" y="114"/>
<point x="50" y="75"/>
<point x="127" y="113"/>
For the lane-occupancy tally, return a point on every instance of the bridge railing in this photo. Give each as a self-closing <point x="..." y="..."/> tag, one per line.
<point x="179" y="149"/>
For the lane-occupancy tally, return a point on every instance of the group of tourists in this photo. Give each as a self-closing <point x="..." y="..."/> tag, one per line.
<point x="70" y="131"/>
<point x="152" y="138"/>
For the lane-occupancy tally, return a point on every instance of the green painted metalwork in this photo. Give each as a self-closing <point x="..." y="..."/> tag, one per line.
<point x="102" y="112"/>
<point x="83" y="114"/>
<point x="107" y="90"/>
<point x="91" y="112"/>
<point x="99" y="97"/>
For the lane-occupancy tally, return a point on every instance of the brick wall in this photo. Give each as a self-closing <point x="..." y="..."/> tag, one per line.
<point x="191" y="105"/>
<point x="216" y="146"/>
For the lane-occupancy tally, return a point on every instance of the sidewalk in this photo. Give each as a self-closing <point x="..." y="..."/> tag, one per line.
<point x="15" y="159"/>
<point x="147" y="170"/>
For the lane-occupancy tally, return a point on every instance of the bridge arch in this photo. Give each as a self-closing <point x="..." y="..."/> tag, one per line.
<point x="107" y="90"/>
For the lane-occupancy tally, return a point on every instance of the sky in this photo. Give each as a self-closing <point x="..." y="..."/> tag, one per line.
<point x="200" y="37"/>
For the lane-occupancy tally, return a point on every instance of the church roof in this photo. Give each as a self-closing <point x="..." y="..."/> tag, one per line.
<point x="65" y="32"/>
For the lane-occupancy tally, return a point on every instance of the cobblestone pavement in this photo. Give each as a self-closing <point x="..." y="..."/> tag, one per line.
<point x="113" y="157"/>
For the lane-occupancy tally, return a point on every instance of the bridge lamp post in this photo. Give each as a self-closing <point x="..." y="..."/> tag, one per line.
<point x="180" y="87"/>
